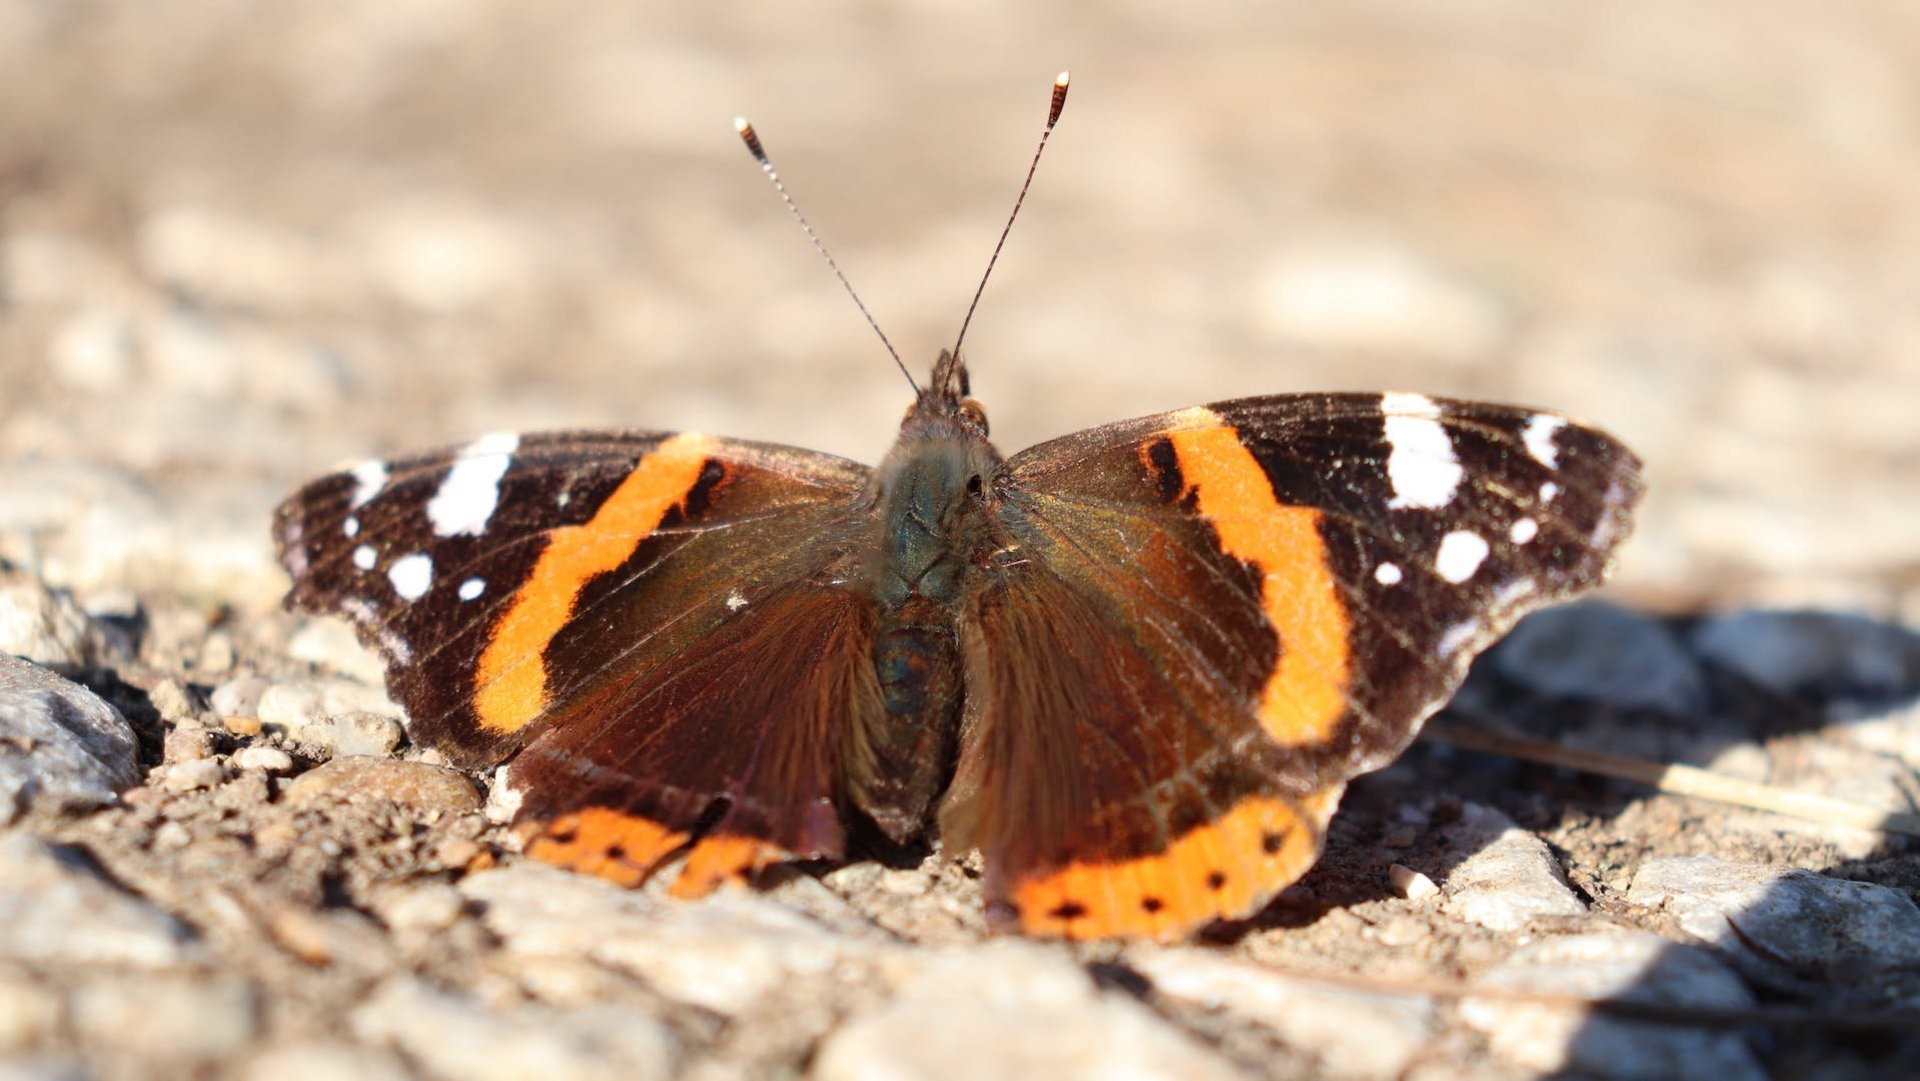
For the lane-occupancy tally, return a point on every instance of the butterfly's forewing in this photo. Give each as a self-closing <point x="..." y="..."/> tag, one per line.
<point x="1201" y="624"/>
<point x="661" y="626"/>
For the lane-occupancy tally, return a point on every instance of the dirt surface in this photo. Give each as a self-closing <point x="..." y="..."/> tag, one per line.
<point x="241" y="243"/>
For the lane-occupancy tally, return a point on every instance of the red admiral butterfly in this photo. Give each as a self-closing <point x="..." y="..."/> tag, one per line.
<point x="1134" y="667"/>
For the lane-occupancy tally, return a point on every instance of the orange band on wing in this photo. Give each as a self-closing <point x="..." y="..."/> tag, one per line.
<point x="600" y="841"/>
<point x="511" y="680"/>
<point x="1306" y="693"/>
<point x="1223" y="870"/>
<point x="721" y="858"/>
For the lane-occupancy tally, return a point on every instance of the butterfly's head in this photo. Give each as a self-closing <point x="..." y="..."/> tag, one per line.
<point x="945" y="402"/>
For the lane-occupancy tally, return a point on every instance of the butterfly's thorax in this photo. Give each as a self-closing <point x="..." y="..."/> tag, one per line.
<point x="931" y="529"/>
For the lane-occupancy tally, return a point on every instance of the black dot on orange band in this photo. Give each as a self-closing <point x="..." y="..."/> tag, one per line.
<point x="1152" y="904"/>
<point x="616" y="851"/>
<point x="1216" y="880"/>
<point x="1271" y="842"/>
<point x="564" y="831"/>
<point x="1067" y="910"/>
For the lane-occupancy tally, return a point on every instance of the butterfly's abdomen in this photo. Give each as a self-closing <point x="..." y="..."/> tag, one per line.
<point x="931" y="525"/>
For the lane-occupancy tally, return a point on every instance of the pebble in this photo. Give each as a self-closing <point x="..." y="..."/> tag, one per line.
<point x="60" y="744"/>
<point x="177" y="1018"/>
<point x="414" y="785"/>
<point x="1829" y="654"/>
<point x="450" y="1035"/>
<point x="1786" y="923"/>
<point x="174" y="704"/>
<point x="421" y="908"/>
<point x="324" y="1060"/>
<point x="1412" y="884"/>
<point x="1505" y="877"/>
<point x="332" y="644"/>
<point x="1010" y="1009"/>
<point x="187" y="745"/>
<point x="1348" y="1033"/>
<point x="264" y="759"/>
<point x="355" y="732"/>
<point x="189" y="776"/>
<point x="239" y="696"/>
<point x="1599" y="652"/>
<point x="1634" y="967"/>
<point x="54" y="909"/>
<point x="291" y="706"/>
<point x="41" y="624"/>
<point x="722" y="954"/>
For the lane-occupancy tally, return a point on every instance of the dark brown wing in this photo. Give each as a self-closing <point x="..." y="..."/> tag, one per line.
<point x="661" y="627"/>
<point x="1203" y="623"/>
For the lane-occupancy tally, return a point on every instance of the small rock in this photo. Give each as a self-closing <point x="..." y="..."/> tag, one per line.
<point x="175" y="1018"/>
<point x="59" y="742"/>
<point x="174" y="704"/>
<point x="1633" y="967"/>
<point x="172" y="836"/>
<point x="1828" y="654"/>
<point x="324" y="1060"/>
<point x="1412" y="884"/>
<point x="264" y="759"/>
<point x="1349" y="1033"/>
<point x="420" y="908"/>
<point x="1786" y="922"/>
<point x="41" y="624"/>
<point x="292" y="706"/>
<point x="239" y="696"/>
<point x="55" y="909"/>
<point x="93" y="352"/>
<point x="1506" y="876"/>
<point x="187" y="745"/>
<point x="1599" y="652"/>
<point x="1010" y="1009"/>
<point x="413" y="785"/>
<point x="453" y="1036"/>
<point x="332" y="644"/>
<point x="190" y="776"/>
<point x="354" y="733"/>
<point x="723" y="954"/>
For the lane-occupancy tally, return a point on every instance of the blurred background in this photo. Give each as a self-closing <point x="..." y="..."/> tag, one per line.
<point x="241" y="242"/>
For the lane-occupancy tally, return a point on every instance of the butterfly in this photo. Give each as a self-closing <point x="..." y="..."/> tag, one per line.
<point x="1133" y="667"/>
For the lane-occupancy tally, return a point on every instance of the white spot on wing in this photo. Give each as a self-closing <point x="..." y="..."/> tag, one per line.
<point x="1524" y="530"/>
<point x="735" y="601"/>
<point x="1548" y="491"/>
<point x="368" y="478"/>
<point x="351" y="527"/>
<point x="470" y="493"/>
<point x="472" y="588"/>
<point x="1460" y="554"/>
<point x="364" y="557"/>
<point x="1538" y="435"/>
<point x="1387" y="574"/>
<point x="411" y="575"/>
<point x="1421" y="464"/>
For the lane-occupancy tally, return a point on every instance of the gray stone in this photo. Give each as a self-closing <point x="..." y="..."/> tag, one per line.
<point x="1506" y="876"/>
<point x="60" y="744"/>
<point x="169" y="1018"/>
<point x="1835" y="655"/>
<point x="55" y="909"/>
<point x="723" y="953"/>
<point x="1556" y="1038"/>
<point x="414" y="785"/>
<point x="1348" y="1033"/>
<point x="454" y="1036"/>
<point x="1010" y="1009"/>
<point x="43" y="625"/>
<point x="1600" y="652"/>
<point x="1784" y="922"/>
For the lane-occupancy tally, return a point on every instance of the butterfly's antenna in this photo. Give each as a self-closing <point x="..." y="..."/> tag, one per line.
<point x="1053" y="117"/>
<point x="752" y="139"/>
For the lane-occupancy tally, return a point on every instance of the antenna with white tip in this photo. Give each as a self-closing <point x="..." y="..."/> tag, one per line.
<point x="759" y="153"/>
<point x="1053" y="117"/>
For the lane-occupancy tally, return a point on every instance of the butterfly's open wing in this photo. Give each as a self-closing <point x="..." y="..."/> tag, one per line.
<point x="1201" y="624"/>
<point x="660" y="627"/>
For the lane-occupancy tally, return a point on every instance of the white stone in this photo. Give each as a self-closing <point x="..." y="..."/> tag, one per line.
<point x="451" y="1035"/>
<point x="56" y="910"/>
<point x="1506" y="877"/>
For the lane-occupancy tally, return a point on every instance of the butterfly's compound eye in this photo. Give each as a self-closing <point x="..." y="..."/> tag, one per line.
<point x="975" y="413"/>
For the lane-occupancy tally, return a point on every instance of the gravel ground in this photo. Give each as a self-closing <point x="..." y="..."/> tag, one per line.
<point x="242" y="242"/>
